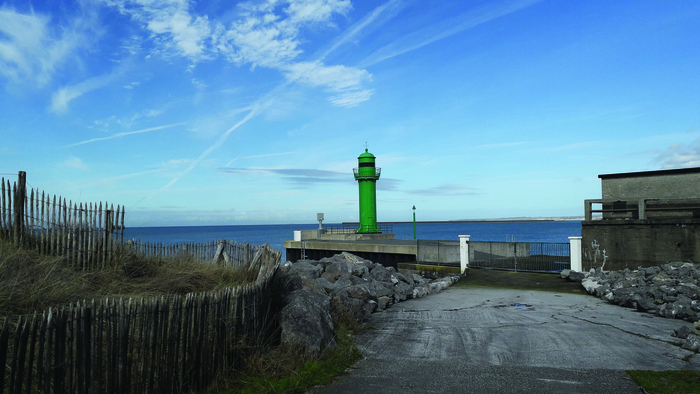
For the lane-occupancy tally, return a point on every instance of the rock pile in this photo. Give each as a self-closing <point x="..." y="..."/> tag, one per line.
<point x="310" y="289"/>
<point x="669" y="290"/>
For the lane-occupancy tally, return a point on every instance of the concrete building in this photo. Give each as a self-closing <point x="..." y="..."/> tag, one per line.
<point x="643" y="218"/>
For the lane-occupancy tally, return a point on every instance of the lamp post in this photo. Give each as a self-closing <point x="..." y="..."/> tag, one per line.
<point x="414" y="222"/>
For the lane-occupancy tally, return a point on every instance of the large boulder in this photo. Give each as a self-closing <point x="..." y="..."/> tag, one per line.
<point x="380" y="273"/>
<point x="576" y="276"/>
<point x="306" y="270"/>
<point x="591" y="284"/>
<point x="306" y="320"/>
<point x="336" y="269"/>
<point x="360" y="292"/>
<point x="344" y="283"/>
<point x="670" y="290"/>
<point x="381" y="289"/>
<point x="402" y="291"/>
<point x="327" y="286"/>
<point x="286" y="280"/>
<point x="383" y="302"/>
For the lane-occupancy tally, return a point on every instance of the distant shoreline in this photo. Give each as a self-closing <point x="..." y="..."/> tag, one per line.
<point x="513" y="220"/>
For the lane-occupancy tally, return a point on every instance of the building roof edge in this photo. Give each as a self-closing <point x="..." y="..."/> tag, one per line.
<point x="676" y="171"/>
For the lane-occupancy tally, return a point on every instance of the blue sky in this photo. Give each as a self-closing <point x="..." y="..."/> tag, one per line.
<point x="222" y="112"/>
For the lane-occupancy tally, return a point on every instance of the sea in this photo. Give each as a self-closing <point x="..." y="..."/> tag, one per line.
<point x="276" y="234"/>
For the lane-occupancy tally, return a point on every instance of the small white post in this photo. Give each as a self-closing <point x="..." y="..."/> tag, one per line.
<point x="575" y="251"/>
<point x="464" y="252"/>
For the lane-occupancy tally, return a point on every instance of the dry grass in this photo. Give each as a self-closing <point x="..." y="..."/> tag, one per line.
<point x="291" y="369"/>
<point x="32" y="282"/>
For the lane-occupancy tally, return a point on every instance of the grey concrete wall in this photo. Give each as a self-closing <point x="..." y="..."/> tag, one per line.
<point x="634" y="243"/>
<point x="309" y="234"/>
<point x="655" y="186"/>
<point x="437" y="252"/>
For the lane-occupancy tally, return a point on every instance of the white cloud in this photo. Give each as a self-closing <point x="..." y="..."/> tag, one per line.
<point x="264" y="34"/>
<point x="63" y="96"/>
<point x="305" y="11"/>
<point x="347" y="81"/>
<point x="171" y="25"/>
<point x="680" y="156"/>
<point x="31" y="51"/>
<point x="351" y="99"/>
<point x="74" y="162"/>
<point x="132" y="85"/>
<point x="253" y="41"/>
<point x="198" y="84"/>
<point x="271" y="40"/>
<point x="335" y="78"/>
<point x="187" y="33"/>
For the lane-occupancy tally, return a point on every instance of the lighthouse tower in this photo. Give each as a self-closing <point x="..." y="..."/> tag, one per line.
<point x="366" y="174"/>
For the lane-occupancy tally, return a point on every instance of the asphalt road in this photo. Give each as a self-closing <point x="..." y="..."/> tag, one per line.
<point x="487" y="340"/>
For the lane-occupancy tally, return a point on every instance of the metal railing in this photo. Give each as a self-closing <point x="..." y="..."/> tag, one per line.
<point x="643" y="208"/>
<point x="384" y="228"/>
<point x="520" y="256"/>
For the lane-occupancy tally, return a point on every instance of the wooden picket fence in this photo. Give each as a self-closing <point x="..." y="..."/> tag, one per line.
<point x="88" y="235"/>
<point x="164" y="345"/>
<point x="224" y="251"/>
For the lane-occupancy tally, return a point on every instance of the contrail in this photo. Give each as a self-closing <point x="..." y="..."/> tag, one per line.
<point x="430" y="34"/>
<point x="255" y="110"/>
<point x="113" y="136"/>
<point x="386" y="10"/>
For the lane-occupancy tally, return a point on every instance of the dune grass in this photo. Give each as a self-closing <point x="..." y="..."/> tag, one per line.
<point x="32" y="282"/>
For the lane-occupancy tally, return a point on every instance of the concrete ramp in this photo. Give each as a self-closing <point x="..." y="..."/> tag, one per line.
<point x="490" y="340"/>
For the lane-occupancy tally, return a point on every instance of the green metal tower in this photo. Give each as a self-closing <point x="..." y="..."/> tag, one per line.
<point x="366" y="174"/>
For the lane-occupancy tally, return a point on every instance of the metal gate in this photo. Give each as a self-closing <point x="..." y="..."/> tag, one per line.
<point x="520" y="256"/>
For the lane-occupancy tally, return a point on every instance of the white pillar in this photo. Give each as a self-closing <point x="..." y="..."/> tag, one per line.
<point x="464" y="252"/>
<point x="575" y="251"/>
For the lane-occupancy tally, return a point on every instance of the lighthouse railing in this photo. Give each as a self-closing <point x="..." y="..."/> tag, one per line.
<point x="351" y="229"/>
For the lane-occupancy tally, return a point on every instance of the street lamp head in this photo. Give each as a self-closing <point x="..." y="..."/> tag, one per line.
<point x="414" y="207"/>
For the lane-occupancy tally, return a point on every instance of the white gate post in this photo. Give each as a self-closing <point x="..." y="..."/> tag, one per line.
<point x="464" y="252"/>
<point x="575" y="252"/>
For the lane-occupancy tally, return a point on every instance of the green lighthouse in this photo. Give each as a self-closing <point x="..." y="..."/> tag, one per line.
<point x="366" y="174"/>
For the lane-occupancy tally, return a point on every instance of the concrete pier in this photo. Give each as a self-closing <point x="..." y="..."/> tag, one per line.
<point x="388" y="252"/>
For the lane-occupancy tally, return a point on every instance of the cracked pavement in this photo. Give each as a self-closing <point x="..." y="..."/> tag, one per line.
<point x="482" y="340"/>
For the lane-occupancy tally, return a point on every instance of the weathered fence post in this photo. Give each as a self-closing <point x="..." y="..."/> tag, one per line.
<point x="19" y="198"/>
<point x="218" y="255"/>
<point x="109" y="227"/>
